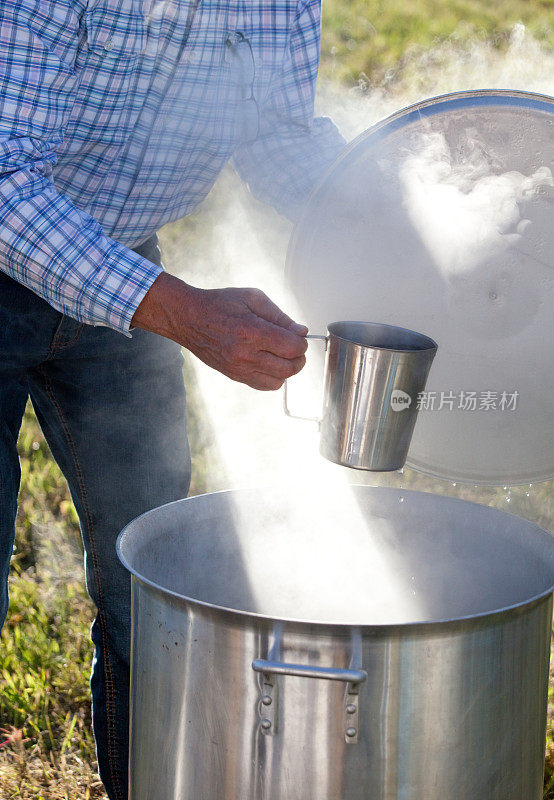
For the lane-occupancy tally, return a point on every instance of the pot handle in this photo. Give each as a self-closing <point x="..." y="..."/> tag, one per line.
<point x="273" y="666"/>
<point x="306" y="671"/>
<point x="285" y="392"/>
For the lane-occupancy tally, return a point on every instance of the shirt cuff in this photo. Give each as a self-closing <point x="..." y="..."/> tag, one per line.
<point x="118" y="287"/>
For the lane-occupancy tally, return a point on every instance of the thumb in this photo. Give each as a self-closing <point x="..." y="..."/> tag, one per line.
<point x="265" y="308"/>
<point x="296" y="327"/>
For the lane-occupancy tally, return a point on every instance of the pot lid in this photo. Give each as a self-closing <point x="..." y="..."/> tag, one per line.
<point x="441" y="219"/>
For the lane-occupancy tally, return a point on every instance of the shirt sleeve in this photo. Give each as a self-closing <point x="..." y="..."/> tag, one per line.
<point x="293" y="149"/>
<point x="46" y="242"/>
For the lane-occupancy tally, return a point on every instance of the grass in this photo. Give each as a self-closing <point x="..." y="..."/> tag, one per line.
<point x="46" y="747"/>
<point x="377" y="38"/>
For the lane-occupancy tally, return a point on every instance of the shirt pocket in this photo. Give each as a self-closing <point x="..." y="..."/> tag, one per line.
<point x="251" y="62"/>
<point x="107" y="102"/>
<point x="115" y="29"/>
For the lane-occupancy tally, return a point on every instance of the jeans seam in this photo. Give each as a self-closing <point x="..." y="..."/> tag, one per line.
<point x="73" y="340"/>
<point x="110" y="704"/>
<point x="58" y="344"/>
<point x="55" y="340"/>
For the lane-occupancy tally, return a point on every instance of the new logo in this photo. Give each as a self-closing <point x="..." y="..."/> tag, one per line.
<point x="400" y="400"/>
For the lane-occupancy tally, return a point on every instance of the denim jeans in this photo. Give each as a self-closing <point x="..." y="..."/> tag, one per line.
<point x="113" y="412"/>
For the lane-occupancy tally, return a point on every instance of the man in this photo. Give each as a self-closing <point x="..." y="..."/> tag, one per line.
<point x="116" y="116"/>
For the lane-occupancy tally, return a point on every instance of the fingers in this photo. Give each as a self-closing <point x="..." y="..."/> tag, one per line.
<point x="266" y="371"/>
<point x="270" y="338"/>
<point x="279" y="343"/>
<point x="254" y="334"/>
<point x="264" y="382"/>
<point x="239" y="332"/>
<point x="299" y="329"/>
<point x="280" y="368"/>
<point x="260" y="304"/>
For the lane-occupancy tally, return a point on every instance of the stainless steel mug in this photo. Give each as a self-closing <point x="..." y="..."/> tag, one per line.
<point x="373" y="376"/>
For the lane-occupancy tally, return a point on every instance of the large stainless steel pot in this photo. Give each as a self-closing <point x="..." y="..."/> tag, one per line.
<point x="394" y="647"/>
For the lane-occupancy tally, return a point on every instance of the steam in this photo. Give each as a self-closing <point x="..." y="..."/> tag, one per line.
<point x="453" y="66"/>
<point x="320" y="558"/>
<point x="463" y="212"/>
<point x="58" y="558"/>
<point x="245" y="244"/>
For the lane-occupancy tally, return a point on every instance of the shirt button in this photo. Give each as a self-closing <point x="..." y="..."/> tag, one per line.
<point x="108" y="44"/>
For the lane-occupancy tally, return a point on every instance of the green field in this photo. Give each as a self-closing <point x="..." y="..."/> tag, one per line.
<point x="380" y="39"/>
<point x="46" y="748"/>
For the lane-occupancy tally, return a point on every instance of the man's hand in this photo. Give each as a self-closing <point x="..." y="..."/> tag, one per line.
<point x="239" y="332"/>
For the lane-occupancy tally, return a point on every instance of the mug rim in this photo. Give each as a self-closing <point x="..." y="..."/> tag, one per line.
<point x="426" y="343"/>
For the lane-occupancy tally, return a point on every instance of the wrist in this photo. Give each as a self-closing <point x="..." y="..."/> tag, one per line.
<point x="167" y="299"/>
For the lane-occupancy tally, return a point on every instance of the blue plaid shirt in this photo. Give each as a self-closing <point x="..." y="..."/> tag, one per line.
<point x="116" y="116"/>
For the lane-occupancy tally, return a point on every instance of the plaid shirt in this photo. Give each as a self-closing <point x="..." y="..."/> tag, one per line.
<point x="116" y="116"/>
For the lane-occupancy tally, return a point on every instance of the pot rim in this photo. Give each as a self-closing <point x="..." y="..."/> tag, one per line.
<point x="520" y="606"/>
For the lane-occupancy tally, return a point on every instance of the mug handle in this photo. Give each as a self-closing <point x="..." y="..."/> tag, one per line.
<point x="285" y="393"/>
